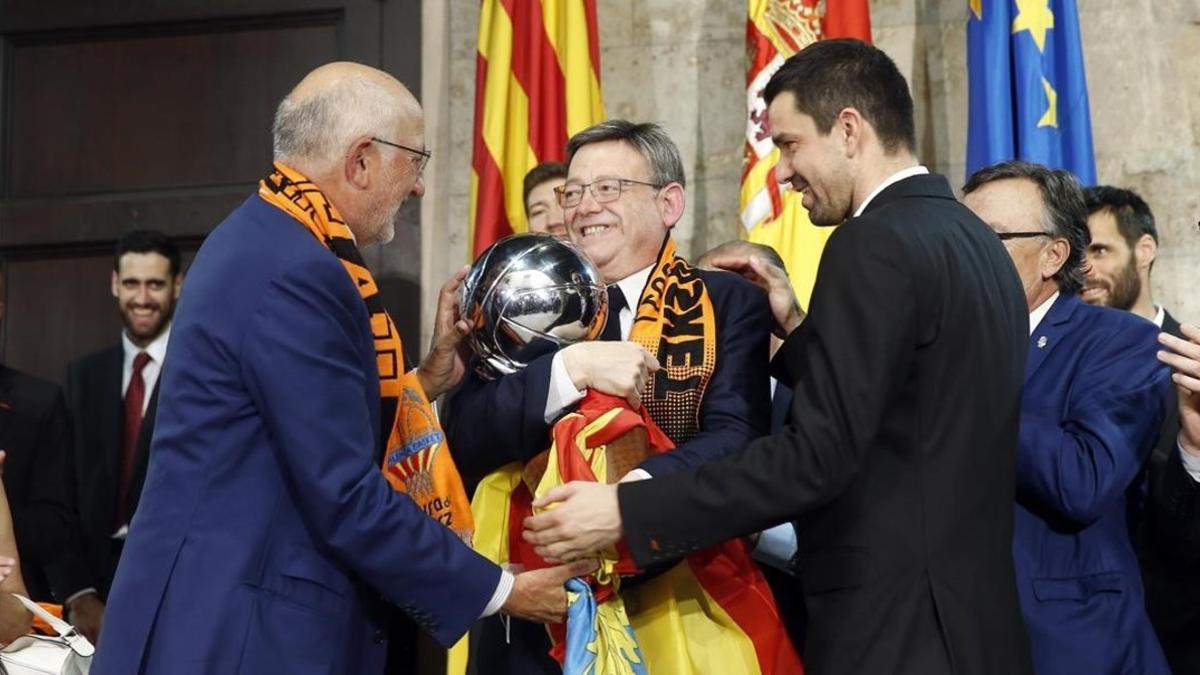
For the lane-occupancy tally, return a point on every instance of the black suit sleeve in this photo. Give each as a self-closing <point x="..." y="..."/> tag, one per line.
<point x="1175" y="511"/>
<point x="1173" y="508"/>
<point x="737" y="404"/>
<point x="491" y="423"/>
<point x="70" y="573"/>
<point x="45" y="524"/>
<point x="846" y="362"/>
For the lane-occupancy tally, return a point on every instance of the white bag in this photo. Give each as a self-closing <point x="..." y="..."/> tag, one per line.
<point x="68" y="654"/>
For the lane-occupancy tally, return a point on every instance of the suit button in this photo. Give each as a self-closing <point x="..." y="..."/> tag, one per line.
<point x="379" y="637"/>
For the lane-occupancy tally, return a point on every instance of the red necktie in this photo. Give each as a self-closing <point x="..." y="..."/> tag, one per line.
<point x="134" y="395"/>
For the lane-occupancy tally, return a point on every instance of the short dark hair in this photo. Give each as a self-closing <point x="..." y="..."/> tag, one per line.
<point x="1063" y="204"/>
<point x="649" y="139"/>
<point x="540" y="174"/>
<point x="831" y="75"/>
<point x="743" y="247"/>
<point x="148" y="241"/>
<point x="1131" y="212"/>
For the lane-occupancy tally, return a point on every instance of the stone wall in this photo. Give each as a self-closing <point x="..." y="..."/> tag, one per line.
<point x="681" y="63"/>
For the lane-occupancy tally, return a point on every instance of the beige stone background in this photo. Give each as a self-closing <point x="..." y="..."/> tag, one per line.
<point x="681" y="63"/>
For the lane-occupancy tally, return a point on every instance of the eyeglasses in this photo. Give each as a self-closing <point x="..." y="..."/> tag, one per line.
<point x="1005" y="236"/>
<point x="423" y="154"/>
<point x="603" y="191"/>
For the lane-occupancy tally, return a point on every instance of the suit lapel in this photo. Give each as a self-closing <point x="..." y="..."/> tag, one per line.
<point x="1049" y="332"/>
<point x="109" y="424"/>
<point x="781" y="405"/>
<point x="1171" y="325"/>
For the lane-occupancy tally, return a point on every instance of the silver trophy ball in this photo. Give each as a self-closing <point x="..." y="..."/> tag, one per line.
<point x="528" y="294"/>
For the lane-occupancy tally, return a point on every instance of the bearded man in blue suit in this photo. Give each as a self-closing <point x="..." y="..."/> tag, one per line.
<point x="268" y="540"/>
<point x="1094" y="400"/>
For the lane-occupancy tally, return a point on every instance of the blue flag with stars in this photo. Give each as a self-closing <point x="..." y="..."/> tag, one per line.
<point x="1027" y="91"/>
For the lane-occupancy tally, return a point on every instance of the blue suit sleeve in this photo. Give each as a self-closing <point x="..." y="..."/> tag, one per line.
<point x="495" y="422"/>
<point x="303" y="367"/>
<point x="737" y="405"/>
<point x="1075" y="459"/>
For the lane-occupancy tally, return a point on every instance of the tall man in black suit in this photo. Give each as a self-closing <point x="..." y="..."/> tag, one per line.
<point x="775" y="548"/>
<point x="898" y="459"/>
<point x="111" y="395"/>
<point x="1121" y="258"/>
<point x="623" y="195"/>
<point x="34" y="433"/>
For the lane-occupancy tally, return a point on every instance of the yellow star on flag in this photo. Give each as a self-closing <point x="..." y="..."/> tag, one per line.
<point x="1036" y="17"/>
<point x="1050" y="117"/>
<point x="976" y="8"/>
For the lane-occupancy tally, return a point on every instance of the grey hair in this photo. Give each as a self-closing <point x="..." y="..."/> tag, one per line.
<point x="649" y="139"/>
<point x="1063" y="205"/>
<point x="317" y="128"/>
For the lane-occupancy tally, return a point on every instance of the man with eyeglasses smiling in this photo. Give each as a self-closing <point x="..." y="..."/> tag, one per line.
<point x="702" y="377"/>
<point x="1093" y="403"/>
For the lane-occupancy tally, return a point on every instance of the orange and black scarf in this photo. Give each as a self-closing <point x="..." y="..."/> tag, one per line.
<point x="417" y="460"/>
<point x="675" y="321"/>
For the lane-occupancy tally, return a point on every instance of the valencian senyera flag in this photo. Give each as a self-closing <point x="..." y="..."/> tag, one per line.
<point x="537" y="82"/>
<point x="770" y="213"/>
<point x="1028" y="95"/>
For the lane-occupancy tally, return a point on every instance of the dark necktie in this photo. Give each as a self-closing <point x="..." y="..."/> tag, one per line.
<point x="134" y="396"/>
<point x="616" y="302"/>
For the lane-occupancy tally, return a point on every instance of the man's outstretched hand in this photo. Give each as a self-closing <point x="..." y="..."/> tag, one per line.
<point x="586" y="518"/>
<point x="785" y="307"/>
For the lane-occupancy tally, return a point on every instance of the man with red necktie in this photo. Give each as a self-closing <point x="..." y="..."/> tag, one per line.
<point x="111" y="395"/>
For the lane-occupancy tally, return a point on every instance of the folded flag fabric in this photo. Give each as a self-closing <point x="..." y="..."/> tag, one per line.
<point x="712" y="612"/>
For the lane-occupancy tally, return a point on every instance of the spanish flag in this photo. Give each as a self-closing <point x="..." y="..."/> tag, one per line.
<point x="776" y="29"/>
<point x="537" y="82"/>
<point x="712" y="612"/>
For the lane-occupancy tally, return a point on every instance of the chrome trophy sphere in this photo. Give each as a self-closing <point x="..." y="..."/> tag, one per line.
<point x="528" y="294"/>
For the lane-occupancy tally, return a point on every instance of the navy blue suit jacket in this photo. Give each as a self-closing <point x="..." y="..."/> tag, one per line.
<point x="266" y="534"/>
<point x="1092" y="406"/>
<point x="493" y="423"/>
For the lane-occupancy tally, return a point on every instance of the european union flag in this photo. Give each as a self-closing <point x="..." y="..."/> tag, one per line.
<point x="1028" y="94"/>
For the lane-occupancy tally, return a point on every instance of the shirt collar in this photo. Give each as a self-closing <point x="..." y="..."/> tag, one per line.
<point x="1160" y="316"/>
<point x="156" y="349"/>
<point x="632" y="285"/>
<point x="894" y="178"/>
<point x="1039" y="313"/>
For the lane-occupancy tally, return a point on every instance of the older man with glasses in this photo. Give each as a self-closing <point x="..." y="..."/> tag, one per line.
<point x="1093" y="403"/>
<point x="702" y="376"/>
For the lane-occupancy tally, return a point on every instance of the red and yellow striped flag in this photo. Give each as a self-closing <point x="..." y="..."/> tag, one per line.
<point x="537" y="82"/>
<point x="776" y="29"/>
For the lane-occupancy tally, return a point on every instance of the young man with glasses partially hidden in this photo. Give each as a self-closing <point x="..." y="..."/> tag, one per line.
<point x="623" y="195"/>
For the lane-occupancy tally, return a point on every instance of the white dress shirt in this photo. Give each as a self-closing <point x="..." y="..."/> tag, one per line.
<point x="157" y="350"/>
<point x="1040" y="312"/>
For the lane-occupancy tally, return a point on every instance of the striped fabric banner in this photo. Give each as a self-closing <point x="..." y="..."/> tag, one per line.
<point x="770" y="214"/>
<point x="537" y="82"/>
